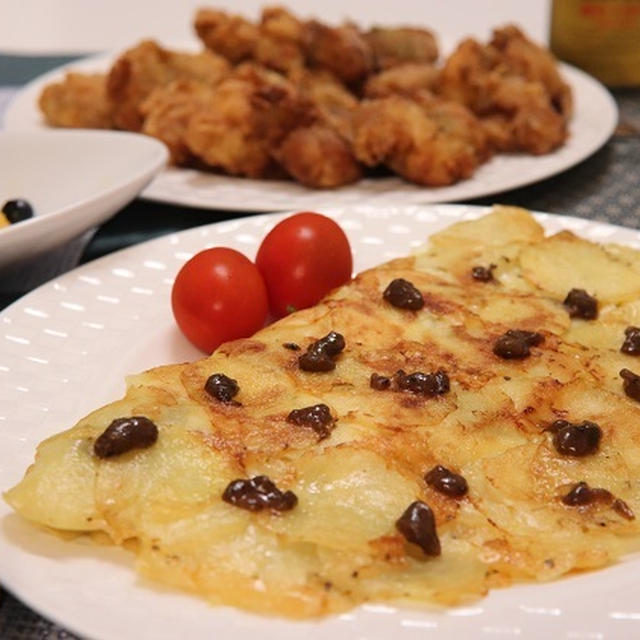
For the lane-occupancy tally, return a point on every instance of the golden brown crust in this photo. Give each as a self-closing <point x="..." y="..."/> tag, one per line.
<point x="79" y="100"/>
<point x="248" y="115"/>
<point x="140" y="70"/>
<point x="515" y="86"/>
<point x="318" y="157"/>
<point x="405" y="79"/>
<point x="428" y="141"/>
<point x="318" y="80"/>
<point x="402" y="45"/>
<point x="230" y="36"/>
<point x="167" y="112"/>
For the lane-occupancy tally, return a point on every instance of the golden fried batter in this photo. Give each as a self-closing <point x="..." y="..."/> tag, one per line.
<point x="527" y="122"/>
<point x="230" y="36"/>
<point x="296" y="87"/>
<point x="249" y="114"/>
<point x="167" y="112"/>
<point x="277" y="41"/>
<point x="405" y="79"/>
<point x="80" y="100"/>
<point x="512" y="83"/>
<point x="400" y="45"/>
<point x="431" y="142"/>
<point x="280" y="44"/>
<point x="147" y="66"/>
<point x="342" y="50"/>
<point x="333" y="104"/>
<point x="318" y="157"/>
<point x="533" y="62"/>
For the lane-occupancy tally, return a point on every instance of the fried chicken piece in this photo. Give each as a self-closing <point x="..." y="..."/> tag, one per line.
<point x="319" y="155"/>
<point x="316" y="156"/>
<point x="224" y="135"/>
<point x="280" y="44"/>
<point x="341" y="50"/>
<point x="399" y="45"/>
<point x="522" y="56"/>
<point x="167" y="112"/>
<point x="520" y="113"/>
<point x="334" y="105"/>
<point x="230" y="36"/>
<point x="405" y="79"/>
<point x="249" y="115"/>
<point x="80" y="100"/>
<point x="431" y="142"/>
<point x="465" y="75"/>
<point x="531" y="125"/>
<point x="147" y="66"/>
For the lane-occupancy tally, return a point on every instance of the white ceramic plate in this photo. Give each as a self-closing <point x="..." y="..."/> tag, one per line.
<point x="73" y="179"/>
<point x="65" y="349"/>
<point x="595" y="118"/>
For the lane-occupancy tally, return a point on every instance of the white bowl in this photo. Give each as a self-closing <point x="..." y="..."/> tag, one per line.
<point x="74" y="180"/>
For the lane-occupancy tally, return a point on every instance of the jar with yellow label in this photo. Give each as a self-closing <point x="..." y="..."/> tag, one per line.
<point x="600" y="36"/>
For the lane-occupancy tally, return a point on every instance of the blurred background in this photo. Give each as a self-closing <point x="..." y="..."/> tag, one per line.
<point x="80" y="26"/>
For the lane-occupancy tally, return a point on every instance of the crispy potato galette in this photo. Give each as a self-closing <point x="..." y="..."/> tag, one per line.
<point x="449" y="422"/>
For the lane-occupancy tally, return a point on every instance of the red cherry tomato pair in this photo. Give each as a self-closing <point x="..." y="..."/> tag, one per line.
<point x="220" y="295"/>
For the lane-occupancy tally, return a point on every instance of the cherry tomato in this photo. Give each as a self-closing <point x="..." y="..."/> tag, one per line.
<point x="218" y="295"/>
<point x="301" y="259"/>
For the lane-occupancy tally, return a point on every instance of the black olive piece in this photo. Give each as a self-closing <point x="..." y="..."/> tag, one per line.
<point x="258" y="493"/>
<point x="292" y="346"/>
<point x="124" y="434"/>
<point x="418" y="525"/>
<point x="515" y="344"/>
<point x="631" y="344"/>
<point x="426" y="384"/>
<point x="581" y="305"/>
<point x="582" y="494"/>
<point x="17" y="210"/>
<point x="319" y="356"/>
<point x="318" y="417"/>
<point x="446" y="482"/>
<point x="631" y="384"/>
<point x="402" y="294"/>
<point x="483" y="274"/>
<point x="378" y="382"/>
<point x="221" y="387"/>
<point x="576" y="439"/>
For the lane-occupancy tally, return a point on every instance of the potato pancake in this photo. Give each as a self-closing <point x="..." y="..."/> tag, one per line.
<point x="449" y="422"/>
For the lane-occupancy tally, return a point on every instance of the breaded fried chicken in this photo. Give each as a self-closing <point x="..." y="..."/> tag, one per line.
<point x="342" y="50"/>
<point x="320" y="155"/>
<point x="249" y="115"/>
<point x="522" y="56"/>
<point x="140" y="70"/>
<point x="280" y="44"/>
<point x="392" y="46"/>
<point x="405" y="79"/>
<point x="228" y="35"/>
<point x="434" y="143"/>
<point x="512" y="85"/>
<point x="167" y="112"/>
<point x="316" y="156"/>
<point x="80" y="100"/>
<point x="333" y="104"/>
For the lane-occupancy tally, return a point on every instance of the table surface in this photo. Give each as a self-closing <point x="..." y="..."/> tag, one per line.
<point x="604" y="187"/>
